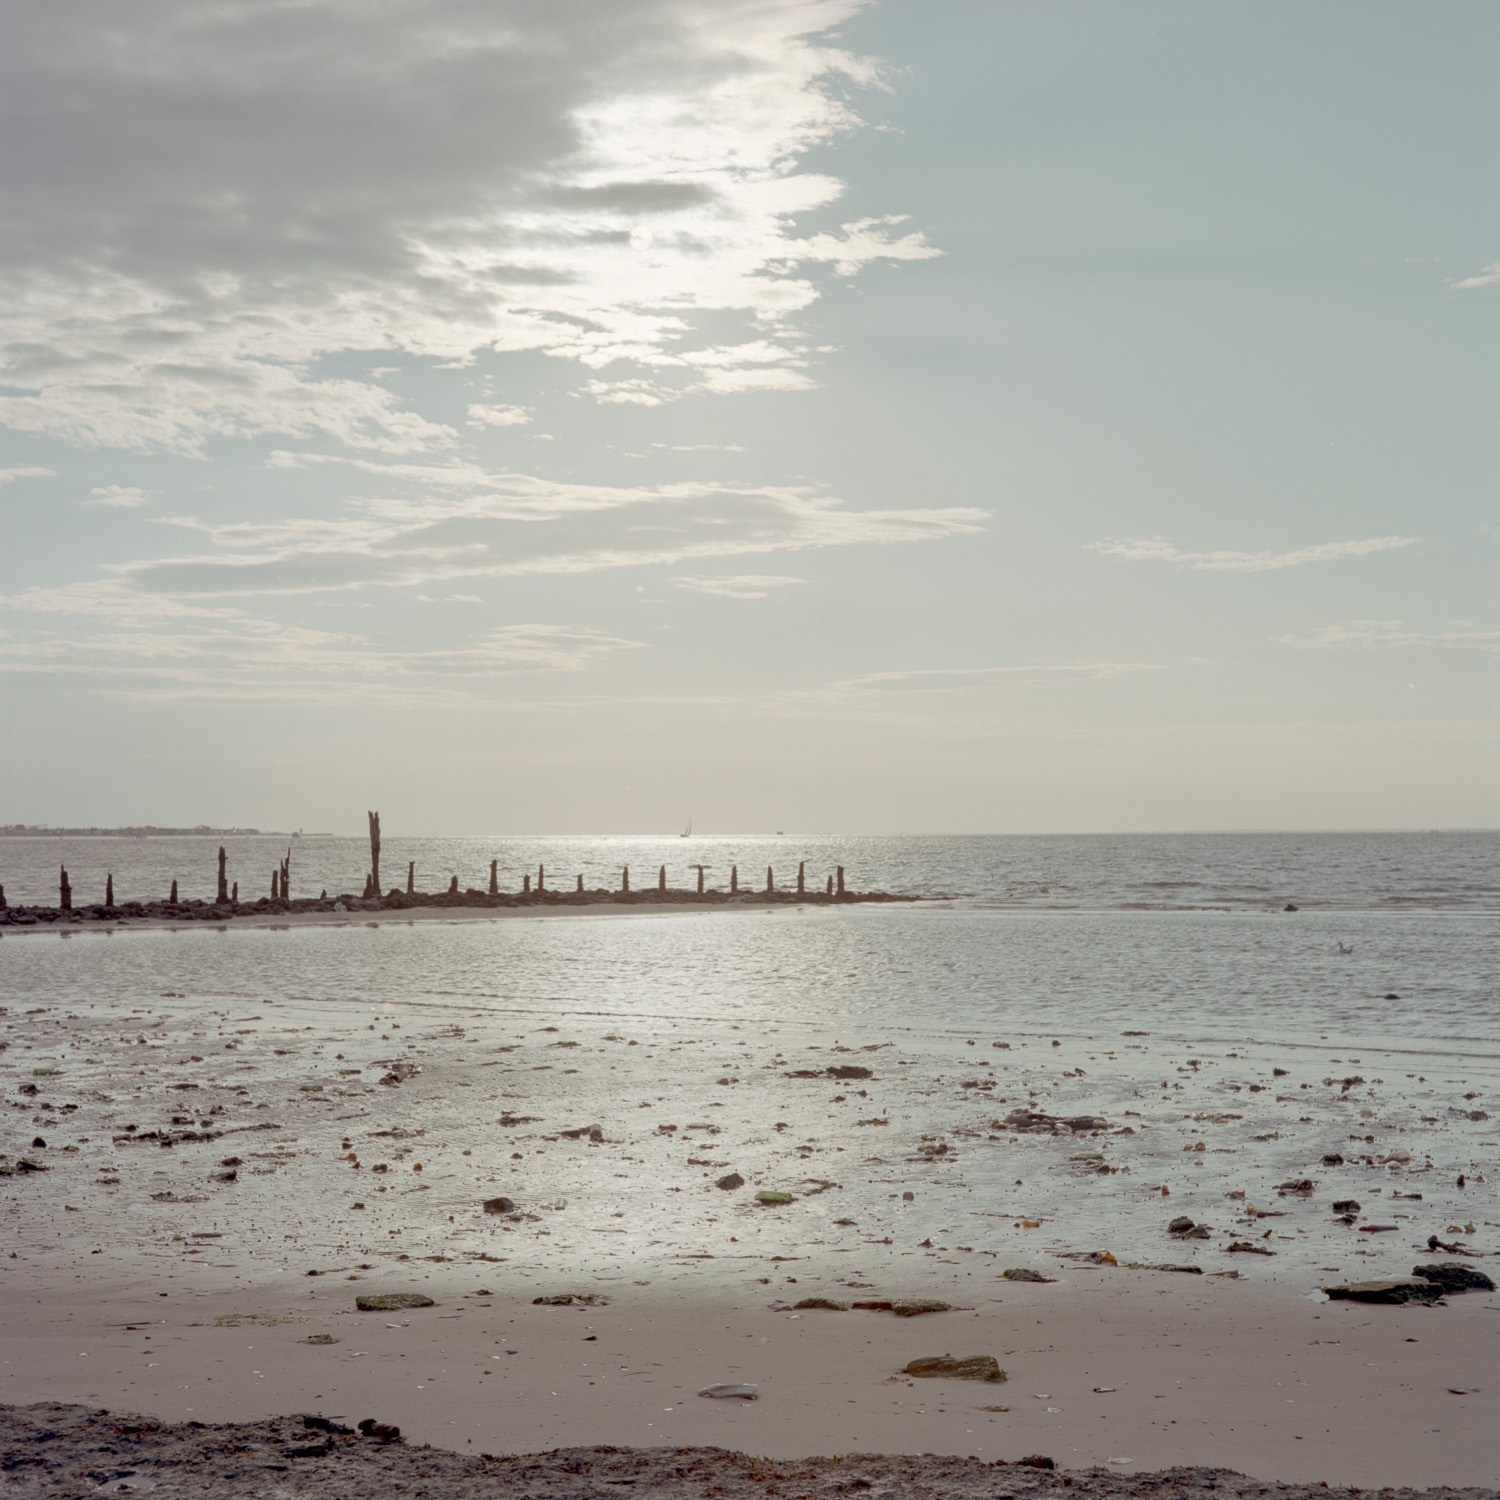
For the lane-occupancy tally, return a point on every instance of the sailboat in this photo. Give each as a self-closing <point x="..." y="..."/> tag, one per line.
<point x="688" y="831"/>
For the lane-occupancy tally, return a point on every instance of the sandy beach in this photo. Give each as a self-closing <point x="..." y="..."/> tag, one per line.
<point x="220" y="1185"/>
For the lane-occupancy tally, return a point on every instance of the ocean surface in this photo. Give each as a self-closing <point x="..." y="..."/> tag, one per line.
<point x="1183" y="932"/>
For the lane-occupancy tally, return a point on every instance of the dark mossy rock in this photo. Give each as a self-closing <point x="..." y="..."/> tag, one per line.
<point x="827" y="1303"/>
<point x="499" y="1206"/>
<point x="945" y="1366"/>
<point x="1454" y="1276"/>
<point x="391" y="1301"/>
<point x="1020" y="1273"/>
<point x="912" y="1307"/>
<point x="1346" y="1206"/>
<point x="1391" y="1293"/>
<point x="571" y="1299"/>
<point x="730" y="1181"/>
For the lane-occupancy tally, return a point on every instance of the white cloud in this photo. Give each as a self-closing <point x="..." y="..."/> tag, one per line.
<point x="123" y="496"/>
<point x="1487" y="277"/>
<point x="738" y="586"/>
<point x="9" y="476"/>
<point x="215" y="198"/>
<point x="1161" y="549"/>
<point x="929" y="678"/>
<point x="1369" y="633"/>
<point x="499" y="416"/>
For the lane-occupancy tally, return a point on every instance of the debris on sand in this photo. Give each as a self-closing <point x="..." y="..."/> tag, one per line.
<point x="1391" y="1293"/>
<point x="1034" y="1122"/>
<point x="945" y="1366"/>
<point x="392" y="1301"/>
<point x="1453" y="1276"/>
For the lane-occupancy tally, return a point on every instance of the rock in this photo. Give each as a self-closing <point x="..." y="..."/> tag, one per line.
<point x="730" y="1181"/>
<point x="877" y="1304"/>
<point x="1389" y="1292"/>
<point x="826" y="1303"/>
<point x="1184" y="1229"/>
<point x="914" y="1307"/>
<point x="1346" y="1206"/>
<point x="571" y="1299"/>
<point x="1040" y="1460"/>
<point x="499" y="1206"/>
<point x="1034" y="1122"/>
<point x="318" y="1338"/>
<point x="944" y="1366"/>
<point x="1244" y="1247"/>
<point x="1454" y="1276"/>
<point x="1296" y="1185"/>
<point x="770" y="1198"/>
<point x="391" y="1301"/>
<point x="383" y="1430"/>
<point x="1020" y="1273"/>
<point x="1333" y="1159"/>
<point x="1141" y="1265"/>
<point x="728" y="1390"/>
<point x="849" y="1070"/>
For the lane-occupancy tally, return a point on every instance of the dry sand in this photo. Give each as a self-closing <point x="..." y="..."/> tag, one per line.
<point x="146" y="1279"/>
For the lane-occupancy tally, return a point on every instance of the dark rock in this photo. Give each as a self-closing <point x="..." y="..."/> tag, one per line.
<point x="324" y="1424"/>
<point x="318" y="1338"/>
<point x="1388" y="1292"/>
<point x="849" y="1070"/>
<point x="383" y="1430"/>
<point x="945" y="1366"/>
<point x="499" y="1206"/>
<point x="1034" y="1122"/>
<point x="1453" y="1276"/>
<point x="392" y="1301"/>
<point x="36" y="1140"/>
<point x="1346" y="1206"/>
<point x="1297" y="1185"/>
<point x="1020" y="1273"/>
<point x="913" y="1307"/>
<point x="826" y="1303"/>
<point x="730" y="1181"/>
<point x="571" y="1299"/>
<point x="1333" y="1159"/>
<point x="1244" y="1247"/>
<point x="1037" y="1460"/>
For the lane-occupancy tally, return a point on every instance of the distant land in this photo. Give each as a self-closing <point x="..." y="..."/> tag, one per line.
<point x="145" y="831"/>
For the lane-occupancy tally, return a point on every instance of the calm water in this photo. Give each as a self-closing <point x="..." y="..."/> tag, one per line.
<point x="1171" y="934"/>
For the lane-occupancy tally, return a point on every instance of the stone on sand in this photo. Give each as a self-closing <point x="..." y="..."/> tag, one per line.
<point x="945" y="1366"/>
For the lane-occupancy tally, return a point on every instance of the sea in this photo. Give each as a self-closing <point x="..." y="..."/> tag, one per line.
<point x="1363" y="937"/>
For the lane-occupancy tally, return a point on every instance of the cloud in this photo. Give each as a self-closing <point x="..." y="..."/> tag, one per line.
<point x="125" y="497"/>
<point x="238" y="656"/>
<point x="929" y="678"/>
<point x="1368" y="633"/>
<point x="446" y="522"/>
<point x="1487" y="277"/>
<point x="216" y="198"/>
<point x="740" y="586"/>
<point x="1161" y="549"/>
<point x="9" y="476"/>
<point x="499" y="416"/>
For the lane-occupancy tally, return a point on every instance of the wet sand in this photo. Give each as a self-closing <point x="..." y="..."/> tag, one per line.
<point x="174" y="1279"/>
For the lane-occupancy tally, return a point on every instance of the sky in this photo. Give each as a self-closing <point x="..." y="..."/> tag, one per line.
<point x="915" y="416"/>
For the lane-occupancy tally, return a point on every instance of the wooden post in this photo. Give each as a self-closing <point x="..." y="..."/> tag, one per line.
<point x="453" y="886"/>
<point x="221" y="897"/>
<point x="173" y="897"/>
<point x="411" y="876"/>
<point x="625" y="879"/>
<point x="109" y="890"/>
<point x="770" y="881"/>
<point x="830" y="885"/>
<point x="2" y="898"/>
<point x="64" y="890"/>
<point x="275" y="884"/>
<point x="734" y="879"/>
<point x="661" y="878"/>
<point x="494" y="877"/>
<point x="580" y="885"/>
<point x="700" y="880"/>
<point x="841" y="880"/>
<point x="802" y="878"/>
<point x="234" y="895"/>
<point x="541" y="877"/>
<point x="375" y="850"/>
<point x="526" y="885"/>
<point x="286" y="877"/>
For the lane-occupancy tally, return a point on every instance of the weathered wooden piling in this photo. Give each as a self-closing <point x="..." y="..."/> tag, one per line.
<point x="286" y="876"/>
<point x="770" y="880"/>
<point x="109" y="890"/>
<point x="453" y="886"/>
<point x="494" y="877"/>
<point x="64" y="890"/>
<point x="700" y="869"/>
<point x="411" y="877"/>
<point x="275" y="885"/>
<point x="841" y="880"/>
<point x="234" y="896"/>
<point x="374" y="818"/>
<point x="526" y="885"/>
<point x="734" y="879"/>
<point x="830" y="885"/>
<point x="580" y="885"/>
<point x="541" y="877"/>
<point x="661" y="879"/>
<point x="173" y="897"/>
<point x="221" y="896"/>
<point x="2" y="898"/>
<point x="625" y="879"/>
<point x="802" y="878"/>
